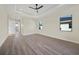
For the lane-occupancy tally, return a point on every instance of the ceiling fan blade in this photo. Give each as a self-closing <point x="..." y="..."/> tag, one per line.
<point x="37" y="8"/>
<point x="32" y="8"/>
<point x="40" y="7"/>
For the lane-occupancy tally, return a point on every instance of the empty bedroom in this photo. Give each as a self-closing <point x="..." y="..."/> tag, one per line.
<point x="39" y="29"/>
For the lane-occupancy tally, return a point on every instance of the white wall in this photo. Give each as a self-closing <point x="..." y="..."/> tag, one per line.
<point x="3" y="24"/>
<point x="51" y="23"/>
<point x="28" y="26"/>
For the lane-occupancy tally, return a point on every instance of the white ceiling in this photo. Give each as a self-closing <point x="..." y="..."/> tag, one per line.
<point x="26" y="10"/>
<point x="17" y="10"/>
<point x="23" y="9"/>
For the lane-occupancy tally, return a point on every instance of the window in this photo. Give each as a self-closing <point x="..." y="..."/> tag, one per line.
<point x="66" y="23"/>
<point x="65" y="27"/>
<point x="40" y="26"/>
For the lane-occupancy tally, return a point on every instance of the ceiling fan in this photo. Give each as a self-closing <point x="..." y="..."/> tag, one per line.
<point x="36" y="8"/>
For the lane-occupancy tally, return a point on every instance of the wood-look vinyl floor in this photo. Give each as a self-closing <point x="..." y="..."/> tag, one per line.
<point x="37" y="44"/>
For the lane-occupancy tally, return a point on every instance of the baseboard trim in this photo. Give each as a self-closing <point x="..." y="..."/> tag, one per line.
<point x="59" y="38"/>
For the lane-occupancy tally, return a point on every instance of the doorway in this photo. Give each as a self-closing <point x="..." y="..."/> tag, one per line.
<point x="14" y="26"/>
